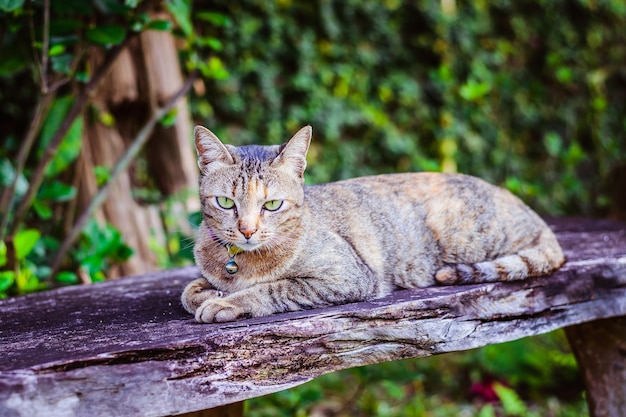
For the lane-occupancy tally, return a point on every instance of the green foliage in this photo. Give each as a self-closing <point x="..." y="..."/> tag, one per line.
<point x="10" y="5"/>
<point x="106" y="35"/>
<point x="511" y="402"/>
<point x="529" y="96"/>
<point x="98" y="248"/>
<point x="438" y="386"/>
<point x="48" y="66"/>
<point x="537" y="367"/>
<point x="21" y="275"/>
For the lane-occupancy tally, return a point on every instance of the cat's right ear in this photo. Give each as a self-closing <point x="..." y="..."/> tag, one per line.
<point x="211" y="151"/>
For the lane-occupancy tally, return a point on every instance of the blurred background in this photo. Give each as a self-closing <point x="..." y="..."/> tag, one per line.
<point x="98" y="99"/>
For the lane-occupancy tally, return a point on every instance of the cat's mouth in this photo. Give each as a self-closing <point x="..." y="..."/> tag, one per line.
<point x="249" y="246"/>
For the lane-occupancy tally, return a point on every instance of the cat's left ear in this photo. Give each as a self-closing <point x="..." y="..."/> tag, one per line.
<point x="293" y="153"/>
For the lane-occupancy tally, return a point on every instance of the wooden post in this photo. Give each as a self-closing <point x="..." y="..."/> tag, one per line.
<point x="600" y="348"/>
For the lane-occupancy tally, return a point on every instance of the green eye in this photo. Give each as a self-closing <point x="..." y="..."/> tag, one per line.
<point x="273" y="205"/>
<point x="225" y="202"/>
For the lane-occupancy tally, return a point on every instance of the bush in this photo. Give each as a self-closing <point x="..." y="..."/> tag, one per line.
<point x="529" y="95"/>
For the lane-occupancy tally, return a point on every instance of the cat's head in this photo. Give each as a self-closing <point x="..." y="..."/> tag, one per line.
<point x="251" y="196"/>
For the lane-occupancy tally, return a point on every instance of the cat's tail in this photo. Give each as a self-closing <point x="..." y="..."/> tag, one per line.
<point x="541" y="258"/>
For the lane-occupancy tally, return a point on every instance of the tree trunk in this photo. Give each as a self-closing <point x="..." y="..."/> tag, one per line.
<point x="142" y="79"/>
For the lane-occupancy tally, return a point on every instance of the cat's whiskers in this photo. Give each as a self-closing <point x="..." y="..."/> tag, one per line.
<point x="188" y="242"/>
<point x="286" y="236"/>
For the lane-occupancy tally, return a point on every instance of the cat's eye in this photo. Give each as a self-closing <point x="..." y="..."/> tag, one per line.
<point x="225" y="202"/>
<point x="273" y="205"/>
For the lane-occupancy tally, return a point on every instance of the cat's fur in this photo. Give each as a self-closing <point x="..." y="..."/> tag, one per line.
<point x="351" y="240"/>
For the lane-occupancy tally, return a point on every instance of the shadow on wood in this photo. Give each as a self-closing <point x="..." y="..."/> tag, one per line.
<point x="230" y="410"/>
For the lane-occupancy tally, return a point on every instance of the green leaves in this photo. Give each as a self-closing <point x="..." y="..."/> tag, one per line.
<point x="162" y="25"/>
<point x="52" y="192"/>
<point x="100" y="246"/>
<point x="181" y="11"/>
<point x="106" y="35"/>
<point x="24" y="242"/>
<point x="21" y="276"/>
<point x="10" y="5"/>
<point x="473" y="90"/>
<point x="70" y="147"/>
<point x="170" y="117"/>
<point x="511" y="402"/>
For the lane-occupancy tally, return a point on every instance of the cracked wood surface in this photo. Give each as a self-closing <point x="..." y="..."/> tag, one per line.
<point x="127" y="347"/>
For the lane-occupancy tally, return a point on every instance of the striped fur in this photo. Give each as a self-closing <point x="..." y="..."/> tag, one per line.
<point x="351" y="240"/>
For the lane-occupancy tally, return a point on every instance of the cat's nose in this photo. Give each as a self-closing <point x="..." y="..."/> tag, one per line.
<point x="247" y="232"/>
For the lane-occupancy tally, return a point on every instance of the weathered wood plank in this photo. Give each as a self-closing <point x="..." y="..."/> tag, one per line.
<point x="127" y="348"/>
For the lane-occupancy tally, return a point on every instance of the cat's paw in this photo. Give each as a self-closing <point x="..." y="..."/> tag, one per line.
<point x="197" y="292"/>
<point x="219" y="310"/>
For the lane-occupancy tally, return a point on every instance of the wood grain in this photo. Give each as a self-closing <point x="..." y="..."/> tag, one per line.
<point x="127" y="347"/>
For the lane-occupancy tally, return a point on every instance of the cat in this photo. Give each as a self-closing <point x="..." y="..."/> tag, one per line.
<point x="268" y="244"/>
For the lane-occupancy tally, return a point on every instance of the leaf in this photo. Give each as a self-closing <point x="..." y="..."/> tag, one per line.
<point x="487" y="411"/>
<point x="25" y="241"/>
<point x="43" y="209"/>
<point x="10" y="5"/>
<point x="67" y="277"/>
<point x="511" y="402"/>
<point x="106" y="118"/>
<point x="10" y="65"/>
<point x="181" y="11"/>
<point x="162" y="25"/>
<point x="218" y="19"/>
<point x="123" y="253"/>
<point x="62" y="63"/>
<point x="6" y="172"/>
<point x="53" y="121"/>
<point x="26" y="281"/>
<point x="3" y="253"/>
<point x="170" y="117"/>
<point x="564" y="74"/>
<point x="64" y="29"/>
<point x="553" y="143"/>
<point x="213" y="68"/>
<point x="68" y="150"/>
<point x="98" y="277"/>
<point x="106" y="34"/>
<point x="7" y="278"/>
<point x="102" y="174"/>
<point x="473" y="90"/>
<point x="57" y="191"/>
<point x="211" y="42"/>
<point x="56" y="50"/>
<point x="82" y="77"/>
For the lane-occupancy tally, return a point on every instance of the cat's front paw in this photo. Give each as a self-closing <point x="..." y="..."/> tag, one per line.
<point x="219" y="310"/>
<point x="197" y="292"/>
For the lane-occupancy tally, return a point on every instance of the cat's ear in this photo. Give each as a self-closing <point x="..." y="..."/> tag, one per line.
<point x="293" y="153"/>
<point x="211" y="151"/>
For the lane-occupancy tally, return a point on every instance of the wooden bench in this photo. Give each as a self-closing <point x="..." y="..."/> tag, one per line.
<point x="127" y="348"/>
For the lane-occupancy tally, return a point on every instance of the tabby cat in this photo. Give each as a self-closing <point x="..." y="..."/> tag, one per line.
<point x="268" y="244"/>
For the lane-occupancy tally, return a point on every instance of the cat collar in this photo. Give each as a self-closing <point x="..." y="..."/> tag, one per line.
<point x="231" y="266"/>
